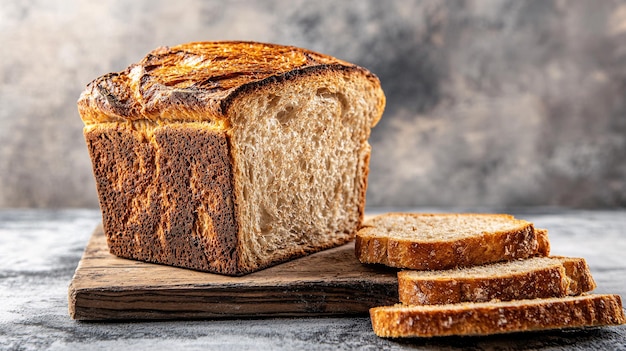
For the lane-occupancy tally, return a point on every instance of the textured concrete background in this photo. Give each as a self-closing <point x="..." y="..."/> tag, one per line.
<point x="499" y="103"/>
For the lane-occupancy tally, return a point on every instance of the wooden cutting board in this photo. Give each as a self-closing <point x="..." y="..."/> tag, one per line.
<point x="332" y="282"/>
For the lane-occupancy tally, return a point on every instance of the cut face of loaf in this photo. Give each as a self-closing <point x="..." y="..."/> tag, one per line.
<point x="442" y="241"/>
<point x="484" y="318"/>
<point x="230" y="157"/>
<point x="536" y="277"/>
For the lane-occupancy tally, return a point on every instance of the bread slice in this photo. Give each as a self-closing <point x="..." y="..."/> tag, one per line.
<point x="442" y="241"/>
<point x="484" y="318"/>
<point x="229" y="157"/>
<point x="536" y="277"/>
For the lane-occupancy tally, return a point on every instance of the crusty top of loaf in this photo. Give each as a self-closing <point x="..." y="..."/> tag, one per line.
<point x="199" y="81"/>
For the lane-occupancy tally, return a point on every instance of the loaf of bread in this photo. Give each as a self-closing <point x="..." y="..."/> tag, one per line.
<point x="536" y="277"/>
<point x="484" y="318"/>
<point x="229" y="157"/>
<point x="421" y="241"/>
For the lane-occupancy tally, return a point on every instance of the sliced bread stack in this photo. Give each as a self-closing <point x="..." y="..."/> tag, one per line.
<point x="478" y="274"/>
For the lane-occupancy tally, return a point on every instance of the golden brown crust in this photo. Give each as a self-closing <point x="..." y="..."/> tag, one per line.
<point x="497" y="317"/>
<point x="549" y="282"/>
<point x="560" y="276"/>
<point x="199" y="81"/>
<point x="436" y="255"/>
<point x="543" y="241"/>
<point x="579" y="274"/>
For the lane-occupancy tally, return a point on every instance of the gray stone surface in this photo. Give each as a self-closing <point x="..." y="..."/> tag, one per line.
<point x="39" y="251"/>
<point x="499" y="102"/>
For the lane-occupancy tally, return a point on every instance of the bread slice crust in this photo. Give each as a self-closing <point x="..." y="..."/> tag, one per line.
<point x="377" y="242"/>
<point x="536" y="277"/>
<point x="487" y="318"/>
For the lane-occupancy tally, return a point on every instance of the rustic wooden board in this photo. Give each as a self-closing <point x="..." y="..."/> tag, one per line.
<point x="332" y="282"/>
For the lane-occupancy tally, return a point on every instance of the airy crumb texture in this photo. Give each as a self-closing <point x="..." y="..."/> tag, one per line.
<point x="442" y="241"/>
<point x="536" y="277"/>
<point x="497" y="317"/>
<point x="229" y="157"/>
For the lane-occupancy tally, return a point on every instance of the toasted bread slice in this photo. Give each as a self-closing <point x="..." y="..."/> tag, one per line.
<point x="536" y="277"/>
<point x="484" y="318"/>
<point x="442" y="241"/>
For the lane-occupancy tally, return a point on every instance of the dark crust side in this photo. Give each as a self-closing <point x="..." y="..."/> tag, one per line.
<point x="158" y="197"/>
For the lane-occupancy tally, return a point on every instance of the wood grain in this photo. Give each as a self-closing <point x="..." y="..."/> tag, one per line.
<point x="332" y="282"/>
